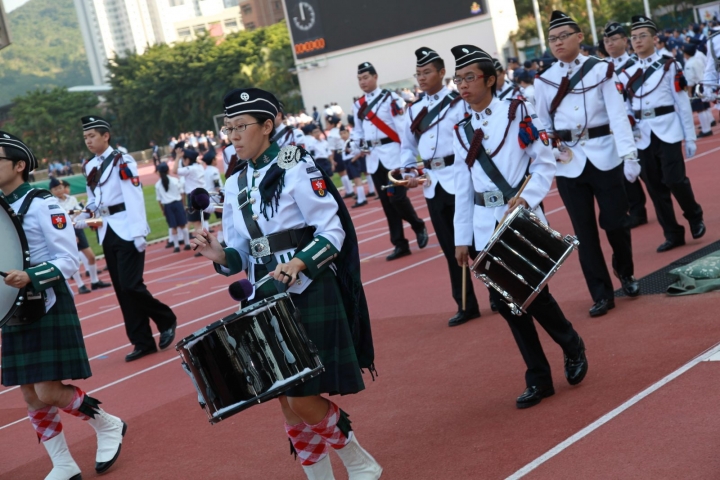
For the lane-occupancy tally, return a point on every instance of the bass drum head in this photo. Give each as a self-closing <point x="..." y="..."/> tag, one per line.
<point x="12" y="239"/>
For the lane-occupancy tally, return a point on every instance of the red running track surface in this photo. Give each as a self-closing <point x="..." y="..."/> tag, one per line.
<point x="443" y="406"/>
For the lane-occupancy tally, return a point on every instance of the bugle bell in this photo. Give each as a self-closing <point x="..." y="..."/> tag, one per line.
<point x="422" y="178"/>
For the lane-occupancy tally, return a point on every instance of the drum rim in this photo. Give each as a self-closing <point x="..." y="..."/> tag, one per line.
<point x="25" y="254"/>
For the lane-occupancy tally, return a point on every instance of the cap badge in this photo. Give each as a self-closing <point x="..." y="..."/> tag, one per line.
<point x="244" y="97"/>
<point x="92" y="119"/>
<point x="367" y="64"/>
<point x="6" y="135"/>
<point x="465" y="50"/>
<point x="424" y="52"/>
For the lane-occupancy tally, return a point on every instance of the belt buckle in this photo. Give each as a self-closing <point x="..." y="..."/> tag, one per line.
<point x="648" y="113"/>
<point x="260" y="247"/>
<point x="437" y="163"/>
<point x="247" y="198"/>
<point x="494" y="199"/>
<point x="583" y="135"/>
<point x="104" y="212"/>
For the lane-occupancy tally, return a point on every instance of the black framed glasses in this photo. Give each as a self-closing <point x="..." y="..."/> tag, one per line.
<point x="467" y="78"/>
<point x="240" y="128"/>
<point x="562" y="37"/>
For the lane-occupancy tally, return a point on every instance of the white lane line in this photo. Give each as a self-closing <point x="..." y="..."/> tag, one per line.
<point x="403" y="269"/>
<point x="699" y="155"/>
<point x="612" y="414"/>
<point x="386" y="233"/>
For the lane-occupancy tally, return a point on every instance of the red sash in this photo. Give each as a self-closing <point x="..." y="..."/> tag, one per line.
<point x="382" y="126"/>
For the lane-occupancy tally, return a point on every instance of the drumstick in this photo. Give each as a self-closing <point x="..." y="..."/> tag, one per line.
<point x="464" y="285"/>
<point x="517" y="195"/>
<point x="3" y="274"/>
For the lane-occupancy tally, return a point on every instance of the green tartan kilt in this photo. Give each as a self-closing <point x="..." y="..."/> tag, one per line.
<point x="323" y="316"/>
<point x="51" y="348"/>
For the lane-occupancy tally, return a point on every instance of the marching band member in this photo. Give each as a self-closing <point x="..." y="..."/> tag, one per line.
<point x="378" y="117"/>
<point x="284" y="217"/>
<point x="491" y="165"/>
<point x="661" y="107"/>
<point x="43" y="344"/>
<point x="114" y="192"/>
<point x="354" y="160"/>
<point x="580" y="101"/>
<point x="428" y="133"/>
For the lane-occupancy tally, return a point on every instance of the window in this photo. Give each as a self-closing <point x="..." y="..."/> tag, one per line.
<point x="277" y="6"/>
<point x="177" y="3"/>
<point x="250" y="26"/>
<point x="231" y="23"/>
<point x="246" y="9"/>
<point x="198" y="29"/>
<point x="184" y="32"/>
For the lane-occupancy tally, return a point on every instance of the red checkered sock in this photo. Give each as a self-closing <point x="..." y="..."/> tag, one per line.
<point x="309" y="446"/>
<point x="330" y="427"/>
<point x="81" y="405"/>
<point x="46" y="422"/>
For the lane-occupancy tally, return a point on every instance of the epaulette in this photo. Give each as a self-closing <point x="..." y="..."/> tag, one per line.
<point x="42" y="193"/>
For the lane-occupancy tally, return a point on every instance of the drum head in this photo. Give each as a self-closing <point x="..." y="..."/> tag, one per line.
<point x="14" y="243"/>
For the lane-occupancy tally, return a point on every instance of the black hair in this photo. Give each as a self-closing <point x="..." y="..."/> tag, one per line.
<point x="16" y="155"/>
<point x="102" y="131"/>
<point x="164" y="179"/>
<point x="262" y="118"/>
<point x="438" y="63"/>
<point x="601" y="48"/>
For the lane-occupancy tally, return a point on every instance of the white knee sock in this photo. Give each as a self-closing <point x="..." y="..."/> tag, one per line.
<point x="705" y="120"/>
<point x="360" y="190"/>
<point x="186" y="235"/>
<point x="170" y="235"/>
<point x="347" y="184"/>
<point x="174" y="238"/>
<point x="93" y="273"/>
<point x="84" y="261"/>
<point x="371" y="185"/>
<point x="78" y="279"/>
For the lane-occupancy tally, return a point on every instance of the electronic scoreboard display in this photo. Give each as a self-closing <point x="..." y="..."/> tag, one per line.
<point x="322" y="26"/>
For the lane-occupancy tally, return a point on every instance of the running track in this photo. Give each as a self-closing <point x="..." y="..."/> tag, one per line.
<point x="443" y="405"/>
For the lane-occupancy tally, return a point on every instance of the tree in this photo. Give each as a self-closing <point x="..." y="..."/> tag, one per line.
<point x="171" y="89"/>
<point x="49" y="122"/>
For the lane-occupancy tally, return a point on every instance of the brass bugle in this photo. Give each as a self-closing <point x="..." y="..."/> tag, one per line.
<point x="422" y="178"/>
<point x="93" y="222"/>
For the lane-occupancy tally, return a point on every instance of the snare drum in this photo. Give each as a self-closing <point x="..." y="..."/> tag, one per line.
<point x="16" y="256"/>
<point x="249" y="357"/>
<point x="521" y="257"/>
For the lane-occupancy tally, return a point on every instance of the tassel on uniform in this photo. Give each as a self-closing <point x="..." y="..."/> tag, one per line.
<point x="474" y="149"/>
<point x="680" y="81"/>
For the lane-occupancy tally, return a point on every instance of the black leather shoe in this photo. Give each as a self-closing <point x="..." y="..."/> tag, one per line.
<point x="630" y="286"/>
<point x="187" y="247"/>
<point x="534" y="395"/>
<point x="463" y="316"/>
<point x="601" y="307"/>
<point x="704" y="134"/>
<point x="697" y="229"/>
<point x="139" y="353"/>
<point x="398" y="253"/>
<point x="349" y="195"/>
<point x="169" y="244"/>
<point x="176" y="250"/>
<point x="669" y="245"/>
<point x="422" y="238"/>
<point x="167" y="336"/>
<point x="100" y="284"/>
<point x="713" y="123"/>
<point x="102" y="467"/>
<point x="83" y="290"/>
<point x="637" y="221"/>
<point x="371" y="194"/>
<point x="359" y="204"/>
<point x="576" y="368"/>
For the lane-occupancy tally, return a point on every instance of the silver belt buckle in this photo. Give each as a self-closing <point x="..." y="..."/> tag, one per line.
<point x="583" y="135"/>
<point x="494" y="199"/>
<point x="260" y="247"/>
<point x="648" y="113"/>
<point x="104" y="211"/>
<point x="437" y="163"/>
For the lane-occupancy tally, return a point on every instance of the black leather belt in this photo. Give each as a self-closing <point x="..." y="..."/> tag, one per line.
<point x="113" y="209"/>
<point x="383" y="141"/>
<point x="449" y="160"/>
<point x="277" y="242"/>
<point x="594" y="132"/>
<point x="653" y="112"/>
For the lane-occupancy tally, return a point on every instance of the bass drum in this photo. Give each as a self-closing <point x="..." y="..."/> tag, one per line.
<point x="16" y="256"/>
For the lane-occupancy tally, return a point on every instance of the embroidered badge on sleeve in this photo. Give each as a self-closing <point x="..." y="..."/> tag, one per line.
<point x="318" y="186"/>
<point x="58" y="220"/>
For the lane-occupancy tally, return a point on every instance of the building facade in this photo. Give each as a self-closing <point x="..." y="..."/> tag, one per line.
<point x="261" y="13"/>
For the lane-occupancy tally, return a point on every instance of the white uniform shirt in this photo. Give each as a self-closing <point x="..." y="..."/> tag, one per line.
<point x="212" y="175"/>
<point x="600" y="106"/>
<point x="388" y="154"/>
<point x="619" y="62"/>
<point x="299" y="206"/>
<point x="506" y="90"/>
<point x="319" y="148"/>
<point x="350" y="150"/>
<point x="228" y="152"/>
<point x="47" y="242"/>
<point x="437" y="142"/>
<point x="694" y="69"/>
<point x="69" y="203"/>
<point x="194" y="176"/>
<point x="474" y="222"/>
<point x="334" y="140"/>
<point x="112" y="190"/>
<point x="711" y="71"/>
<point x="290" y="136"/>
<point x="672" y="127"/>
<point x="528" y="93"/>
<point x="173" y="193"/>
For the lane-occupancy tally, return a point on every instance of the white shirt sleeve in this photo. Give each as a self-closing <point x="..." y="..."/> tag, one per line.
<point x="464" y="197"/>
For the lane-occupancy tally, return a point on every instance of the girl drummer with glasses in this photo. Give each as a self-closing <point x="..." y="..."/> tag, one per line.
<point x="282" y="194"/>
<point x="42" y="343"/>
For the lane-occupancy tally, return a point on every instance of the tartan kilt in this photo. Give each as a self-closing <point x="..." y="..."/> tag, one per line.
<point x="322" y="314"/>
<point x="51" y="348"/>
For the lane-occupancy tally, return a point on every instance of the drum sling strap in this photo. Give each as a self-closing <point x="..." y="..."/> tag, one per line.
<point x="33" y="307"/>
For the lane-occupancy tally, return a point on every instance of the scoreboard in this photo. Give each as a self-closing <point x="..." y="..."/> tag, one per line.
<point x="323" y="26"/>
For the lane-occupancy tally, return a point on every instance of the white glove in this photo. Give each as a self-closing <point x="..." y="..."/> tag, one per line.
<point x="690" y="148"/>
<point x="632" y="170"/>
<point x="140" y="244"/>
<point x="80" y="224"/>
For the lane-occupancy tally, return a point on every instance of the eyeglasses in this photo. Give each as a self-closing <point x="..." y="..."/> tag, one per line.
<point x="562" y="37"/>
<point x="240" y="128"/>
<point x="424" y="74"/>
<point x="642" y="36"/>
<point x="467" y="78"/>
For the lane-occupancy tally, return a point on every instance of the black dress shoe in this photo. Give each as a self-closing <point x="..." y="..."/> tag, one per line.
<point x="100" y="284"/>
<point x="398" y="253"/>
<point x="534" y="395"/>
<point x="463" y="316"/>
<point x="422" y="238"/>
<point x="176" y="250"/>
<point x="697" y="229"/>
<point x="167" y="336"/>
<point x="371" y="194"/>
<point x="637" y="221"/>
<point x="630" y="286"/>
<point x="139" y="353"/>
<point x="349" y="195"/>
<point x="360" y="204"/>
<point x="704" y="134"/>
<point x="102" y="467"/>
<point x="169" y="244"/>
<point x="187" y="247"/>
<point x="713" y="123"/>
<point x="576" y="368"/>
<point x="669" y="245"/>
<point x="83" y="290"/>
<point x="601" y="307"/>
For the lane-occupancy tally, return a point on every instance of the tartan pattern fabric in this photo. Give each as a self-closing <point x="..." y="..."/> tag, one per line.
<point x="73" y="408"/>
<point x="328" y="428"/>
<point x="310" y="447"/>
<point x="51" y="348"/>
<point x="322" y="315"/>
<point x="46" y="422"/>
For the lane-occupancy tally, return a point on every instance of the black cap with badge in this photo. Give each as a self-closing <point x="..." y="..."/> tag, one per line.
<point x="250" y="100"/>
<point x="468" y="54"/>
<point x="641" y="21"/>
<point x="17" y="149"/>
<point x="613" y="28"/>
<point x="425" y="55"/>
<point x="560" y="19"/>
<point x="366" y="67"/>
<point x="90" y="122"/>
